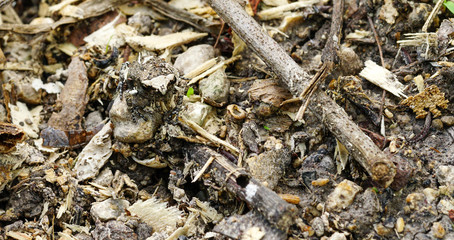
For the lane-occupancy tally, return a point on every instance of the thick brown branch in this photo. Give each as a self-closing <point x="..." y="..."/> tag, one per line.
<point x="376" y="163"/>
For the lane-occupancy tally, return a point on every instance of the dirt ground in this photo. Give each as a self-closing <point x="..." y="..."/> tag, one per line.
<point x="154" y="120"/>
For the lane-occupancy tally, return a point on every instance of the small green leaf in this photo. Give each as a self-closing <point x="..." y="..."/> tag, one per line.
<point x="108" y="44"/>
<point x="266" y="128"/>
<point x="375" y="189"/>
<point x="190" y="92"/>
<point x="449" y="5"/>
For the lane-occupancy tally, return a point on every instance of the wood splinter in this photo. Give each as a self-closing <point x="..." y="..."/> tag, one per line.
<point x="378" y="165"/>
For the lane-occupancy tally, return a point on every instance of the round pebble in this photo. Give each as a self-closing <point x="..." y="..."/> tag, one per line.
<point x="437" y="123"/>
<point x="448" y="120"/>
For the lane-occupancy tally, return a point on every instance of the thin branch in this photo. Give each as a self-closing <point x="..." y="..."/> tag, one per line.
<point x="375" y="162"/>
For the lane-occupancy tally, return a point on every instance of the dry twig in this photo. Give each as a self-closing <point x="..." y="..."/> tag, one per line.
<point x="376" y="163"/>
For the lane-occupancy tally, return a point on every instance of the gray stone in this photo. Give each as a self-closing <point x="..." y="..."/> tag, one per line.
<point x="317" y="225"/>
<point x="129" y="129"/>
<point x="109" y="209"/>
<point x="445" y="175"/>
<point x="269" y="166"/>
<point x="92" y="120"/>
<point x="193" y="57"/>
<point x="437" y="123"/>
<point x="215" y="88"/>
<point x="342" y="196"/>
<point x="448" y="120"/>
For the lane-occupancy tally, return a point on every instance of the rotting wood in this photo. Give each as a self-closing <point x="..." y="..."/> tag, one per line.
<point x="10" y="135"/>
<point x="376" y="163"/>
<point x="181" y="15"/>
<point x="260" y="198"/>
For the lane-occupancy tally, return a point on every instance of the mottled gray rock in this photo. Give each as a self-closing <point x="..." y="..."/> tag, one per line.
<point x="92" y="120"/>
<point x="142" y="22"/>
<point x="113" y="230"/>
<point x="448" y="120"/>
<point x="198" y="112"/>
<point x="104" y="178"/>
<point x="342" y="196"/>
<point x="2" y="113"/>
<point x="131" y="129"/>
<point x="269" y="166"/>
<point x="337" y="236"/>
<point x="350" y="62"/>
<point x="215" y="88"/>
<point x="109" y="209"/>
<point x="437" y="123"/>
<point x="317" y="225"/>
<point x="445" y="175"/>
<point x="194" y="57"/>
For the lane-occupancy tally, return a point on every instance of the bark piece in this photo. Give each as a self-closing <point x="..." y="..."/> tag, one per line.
<point x="376" y="163"/>
<point x="10" y="135"/>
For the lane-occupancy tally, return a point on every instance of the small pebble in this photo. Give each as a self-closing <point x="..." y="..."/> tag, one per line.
<point x="388" y="114"/>
<point x="438" y="230"/>
<point x="92" y="120"/>
<point x="431" y="194"/>
<point x="215" y="88"/>
<point x="2" y="113"/>
<point x="193" y="57"/>
<point x="437" y="123"/>
<point x="130" y="130"/>
<point x="413" y="199"/>
<point x="198" y="112"/>
<point x="320" y="182"/>
<point x="290" y="198"/>
<point x="448" y="120"/>
<point x="382" y="230"/>
<point x="445" y="175"/>
<point x="400" y="225"/>
<point x="408" y="78"/>
<point x="403" y="119"/>
<point x="445" y="206"/>
<point x="350" y="62"/>
<point x="317" y="225"/>
<point x="109" y="209"/>
<point x="342" y="196"/>
<point x="337" y="236"/>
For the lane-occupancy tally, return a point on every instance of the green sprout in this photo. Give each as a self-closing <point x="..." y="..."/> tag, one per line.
<point x="449" y="5"/>
<point x="375" y="190"/>
<point x="108" y="44"/>
<point x="190" y="92"/>
<point x="266" y="128"/>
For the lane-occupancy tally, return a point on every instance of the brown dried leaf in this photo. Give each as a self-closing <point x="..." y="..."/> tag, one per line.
<point x="65" y="127"/>
<point x="269" y="91"/>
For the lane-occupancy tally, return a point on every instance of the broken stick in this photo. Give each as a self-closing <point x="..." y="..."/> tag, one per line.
<point x="273" y="208"/>
<point x="375" y="162"/>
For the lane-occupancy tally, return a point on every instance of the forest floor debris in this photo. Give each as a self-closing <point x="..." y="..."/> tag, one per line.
<point x="187" y="120"/>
